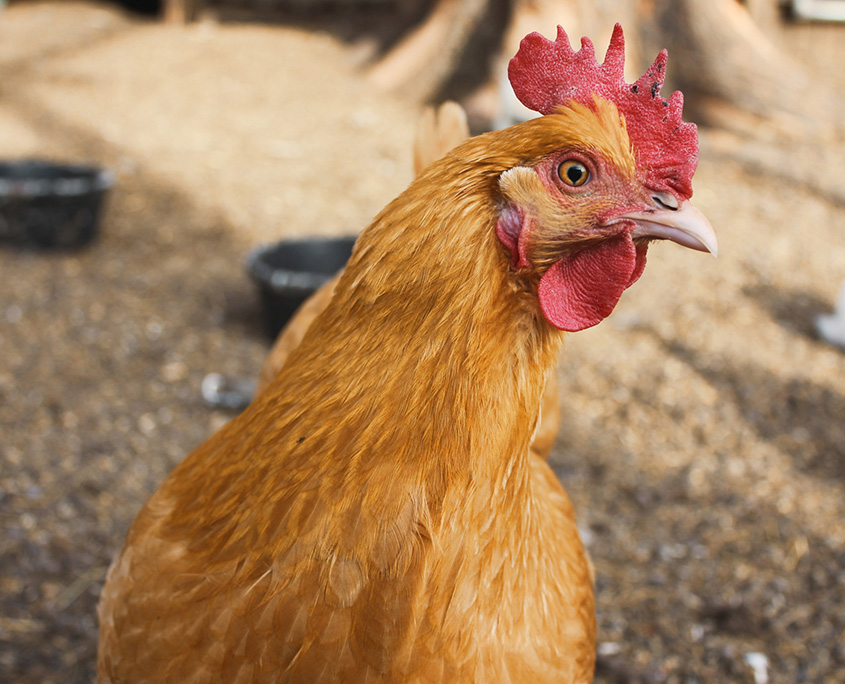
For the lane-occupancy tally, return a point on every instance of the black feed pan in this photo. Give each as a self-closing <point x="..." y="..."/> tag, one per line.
<point x="49" y="205"/>
<point x="290" y="271"/>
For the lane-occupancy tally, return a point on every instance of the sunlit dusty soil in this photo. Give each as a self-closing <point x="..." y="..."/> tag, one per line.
<point x="703" y="437"/>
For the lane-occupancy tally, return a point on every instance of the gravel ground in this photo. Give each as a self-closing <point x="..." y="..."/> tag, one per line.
<point x="704" y="423"/>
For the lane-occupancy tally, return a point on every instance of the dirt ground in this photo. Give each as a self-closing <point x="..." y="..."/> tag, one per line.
<point x="703" y="437"/>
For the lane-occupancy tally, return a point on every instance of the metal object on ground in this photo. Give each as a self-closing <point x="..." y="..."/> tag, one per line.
<point x="221" y="392"/>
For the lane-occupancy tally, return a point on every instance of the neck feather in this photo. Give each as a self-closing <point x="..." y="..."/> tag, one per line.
<point x="431" y="355"/>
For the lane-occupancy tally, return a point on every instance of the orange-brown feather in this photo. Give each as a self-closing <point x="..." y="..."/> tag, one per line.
<point x="375" y="515"/>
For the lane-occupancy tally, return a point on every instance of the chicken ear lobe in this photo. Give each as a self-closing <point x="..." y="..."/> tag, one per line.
<point x="512" y="228"/>
<point x="582" y="289"/>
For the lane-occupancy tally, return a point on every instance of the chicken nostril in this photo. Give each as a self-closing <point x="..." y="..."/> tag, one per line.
<point x="666" y="200"/>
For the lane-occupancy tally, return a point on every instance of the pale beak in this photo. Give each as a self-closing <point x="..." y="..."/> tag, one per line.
<point x="681" y="223"/>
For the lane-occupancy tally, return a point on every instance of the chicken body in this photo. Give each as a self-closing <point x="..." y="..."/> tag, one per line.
<point x="376" y="514"/>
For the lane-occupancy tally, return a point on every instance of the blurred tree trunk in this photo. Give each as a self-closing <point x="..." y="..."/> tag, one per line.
<point x="180" y="11"/>
<point x="427" y="56"/>
<point x="732" y="75"/>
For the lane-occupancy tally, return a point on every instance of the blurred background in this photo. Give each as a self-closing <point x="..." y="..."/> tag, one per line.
<point x="703" y="436"/>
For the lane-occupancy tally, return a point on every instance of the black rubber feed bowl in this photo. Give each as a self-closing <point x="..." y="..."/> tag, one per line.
<point x="290" y="271"/>
<point x="48" y="205"/>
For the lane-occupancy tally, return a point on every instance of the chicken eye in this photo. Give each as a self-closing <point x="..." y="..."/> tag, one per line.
<point x="573" y="173"/>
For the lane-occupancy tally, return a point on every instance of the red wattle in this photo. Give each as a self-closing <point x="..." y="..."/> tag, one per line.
<point x="581" y="290"/>
<point x="641" y="248"/>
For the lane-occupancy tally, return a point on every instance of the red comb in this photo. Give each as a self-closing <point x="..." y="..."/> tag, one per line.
<point x="546" y="75"/>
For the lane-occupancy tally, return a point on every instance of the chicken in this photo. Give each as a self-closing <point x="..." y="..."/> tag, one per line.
<point x="375" y="515"/>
